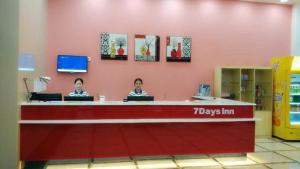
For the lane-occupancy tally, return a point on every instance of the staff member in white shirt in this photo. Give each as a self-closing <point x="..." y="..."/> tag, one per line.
<point x="138" y="91"/>
<point x="78" y="83"/>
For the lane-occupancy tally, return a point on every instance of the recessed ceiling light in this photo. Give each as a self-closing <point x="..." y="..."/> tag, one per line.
<point x="283" y="1"/>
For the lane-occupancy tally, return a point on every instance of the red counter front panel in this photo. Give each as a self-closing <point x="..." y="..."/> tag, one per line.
<point x="133" y="112"/>
<point x="77" y="141"/>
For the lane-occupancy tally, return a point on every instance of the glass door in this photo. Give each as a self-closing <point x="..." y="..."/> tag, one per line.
<point x="295" y="100"/>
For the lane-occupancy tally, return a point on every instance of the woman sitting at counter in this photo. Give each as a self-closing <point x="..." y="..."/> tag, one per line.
<point x="138" y="91"/>
<point x="78" y="84"/>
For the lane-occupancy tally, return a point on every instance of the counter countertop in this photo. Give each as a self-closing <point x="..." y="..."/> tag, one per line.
<point x="208" y="102"/>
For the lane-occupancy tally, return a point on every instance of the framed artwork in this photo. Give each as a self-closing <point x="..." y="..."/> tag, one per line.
<point x="178" y="49"/>
<point x="147" y="48"/>
<point x="114" y="46"/>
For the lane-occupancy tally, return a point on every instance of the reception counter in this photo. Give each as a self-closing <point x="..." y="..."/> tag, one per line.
<point x="77" y="130"/>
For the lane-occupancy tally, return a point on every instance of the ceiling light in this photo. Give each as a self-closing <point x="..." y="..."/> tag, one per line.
<point x="283" y="1"/>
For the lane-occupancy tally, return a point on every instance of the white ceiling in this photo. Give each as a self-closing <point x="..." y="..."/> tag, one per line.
<point x="276" y="1"/>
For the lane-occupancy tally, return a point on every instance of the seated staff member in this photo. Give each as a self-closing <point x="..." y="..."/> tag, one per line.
<point x="138" y="91"/>
<point x="78" y="83"/>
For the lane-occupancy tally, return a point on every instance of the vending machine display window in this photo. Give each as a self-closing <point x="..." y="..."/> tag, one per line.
<point x="295" y="99"/>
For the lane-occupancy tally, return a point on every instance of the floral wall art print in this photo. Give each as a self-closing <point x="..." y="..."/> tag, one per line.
<point x="114" y="46"/>
<point x="147" y="48"/>
<point x="178" y="49"/>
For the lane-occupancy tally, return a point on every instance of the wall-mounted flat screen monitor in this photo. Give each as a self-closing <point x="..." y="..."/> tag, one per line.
<point x="71" y="63"/>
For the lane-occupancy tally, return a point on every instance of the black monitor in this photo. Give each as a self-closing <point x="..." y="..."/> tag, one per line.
<point x="78" y="98"/>
<point x="71" y="63"/>
<point x="46" y="96"/>
<point x="140" y="98"/>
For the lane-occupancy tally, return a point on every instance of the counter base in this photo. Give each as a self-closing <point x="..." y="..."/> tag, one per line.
<point x="78" y="141"/>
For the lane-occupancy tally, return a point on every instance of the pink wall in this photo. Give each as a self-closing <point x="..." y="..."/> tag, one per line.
<point x="224" y="32"/>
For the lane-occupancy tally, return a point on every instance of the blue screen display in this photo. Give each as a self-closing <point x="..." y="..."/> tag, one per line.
<point x="70" y="63"/>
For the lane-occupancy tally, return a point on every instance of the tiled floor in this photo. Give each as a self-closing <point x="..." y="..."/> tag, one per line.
<point x="269" y="153"/>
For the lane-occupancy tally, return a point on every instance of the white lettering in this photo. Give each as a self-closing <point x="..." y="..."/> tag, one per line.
<point x="201" y="110"/>
<point x="227" y="111"/>
<point x="213" y="112"/>
<point x="195" y="110"/>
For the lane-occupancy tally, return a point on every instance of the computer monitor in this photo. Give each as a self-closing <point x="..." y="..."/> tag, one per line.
<point x="46" y="96"/>
<point x="140" y="98"/>
<point x="70" y="63"/>
<point x="204" y="90"/>
<point x="78" y="98"/>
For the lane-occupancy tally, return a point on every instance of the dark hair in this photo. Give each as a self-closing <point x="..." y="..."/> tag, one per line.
<point x="138" y="79"/>
<point x="77" y="80"/>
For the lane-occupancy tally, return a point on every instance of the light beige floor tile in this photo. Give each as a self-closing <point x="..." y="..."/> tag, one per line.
<point x="228" y="155"/>
<point x="277" y="139"/>
<point x="247" y="167"/>
<point x="295" y="155"/>
<point x="119" y="165"/>
<point x="197" y="156"/>
<point x="275" y="146"/>
<point x="284" y="166"/>
<point x="232" y="161"/>
<point x="268" y="157"/>
<point x="206" y="167"/>
<point x="112" y="160"/>
<point x="68" y="166"/>
<point x="149" y="164"/>
<point x="294" y="144"/>
<point x="142" y="158"/>
<point x="264" y="140"/>
<point x="196" y="162"/>
<point x="260" y="149"/>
